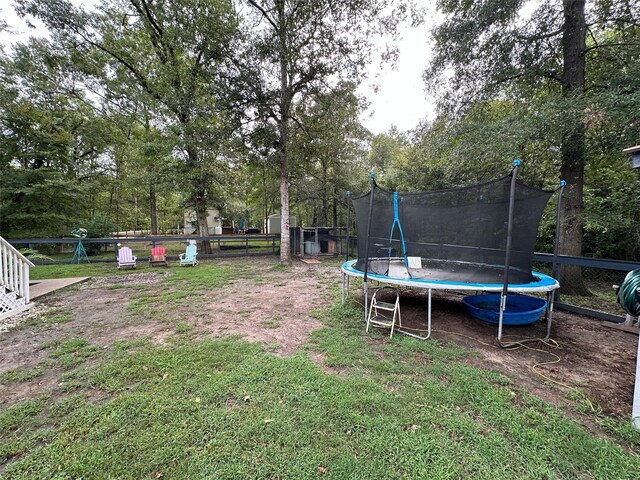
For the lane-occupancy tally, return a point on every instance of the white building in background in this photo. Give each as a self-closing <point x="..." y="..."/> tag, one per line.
<point x="214" y="221"/>
<point x="272" y="226"/>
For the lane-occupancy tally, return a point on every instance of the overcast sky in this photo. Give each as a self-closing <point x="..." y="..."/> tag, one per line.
<point x="400" y="99"/>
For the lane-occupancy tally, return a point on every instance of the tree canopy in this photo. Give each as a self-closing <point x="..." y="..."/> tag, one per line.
<point x="534" y="80"/>
<point x="132" y="112"/>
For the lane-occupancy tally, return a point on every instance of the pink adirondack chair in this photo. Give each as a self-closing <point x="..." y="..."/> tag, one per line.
<point x="158" y="256"/>
<point x="126" y="258"/>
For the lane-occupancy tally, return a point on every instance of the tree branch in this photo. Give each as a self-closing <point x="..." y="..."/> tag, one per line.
<point x="155" y="35"/>
<point x="608" y="45"/>
<point x="629" y="21"/>
<point x="150" y="17"/>
<point x="533" y="38"/>
<point x="300" y="125"/>
<point x="265" y="13"/>
<point x="142" y="81"/>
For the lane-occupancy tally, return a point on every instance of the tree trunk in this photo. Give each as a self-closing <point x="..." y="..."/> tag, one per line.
<point x="325" y="206"/>
<point x="116" y="193"/>
<point x="572" y="171"/>
<point x="285" y="240"/>
<point x="153" y="208"/>
<point x="266" y="205"/>
<point x="573" y="145"/>
<point x="201" y="216"/>
<point x="335" y="210"/>
<point x="199" y="200"/>
<point x="283" y="130"/>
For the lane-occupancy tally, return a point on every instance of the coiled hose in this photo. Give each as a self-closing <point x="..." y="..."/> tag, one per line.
<point x="629" y="293"/>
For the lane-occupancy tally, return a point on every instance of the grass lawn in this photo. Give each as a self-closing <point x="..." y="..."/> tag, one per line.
<point x="228" y="409"/>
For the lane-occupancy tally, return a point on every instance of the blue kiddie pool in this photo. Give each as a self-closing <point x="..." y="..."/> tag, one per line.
<point x="519" y="310"/>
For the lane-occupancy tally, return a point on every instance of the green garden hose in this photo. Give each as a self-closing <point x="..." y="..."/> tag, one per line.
<point x="629" y="293"/>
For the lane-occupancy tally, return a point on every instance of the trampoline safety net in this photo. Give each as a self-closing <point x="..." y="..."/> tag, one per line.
<point x="456" y="235"/>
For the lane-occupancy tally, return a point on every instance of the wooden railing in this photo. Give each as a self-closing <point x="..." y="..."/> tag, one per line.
<point x="14" y="271"/>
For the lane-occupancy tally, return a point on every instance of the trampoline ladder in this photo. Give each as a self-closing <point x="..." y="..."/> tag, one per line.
<point x="384" y="314"/>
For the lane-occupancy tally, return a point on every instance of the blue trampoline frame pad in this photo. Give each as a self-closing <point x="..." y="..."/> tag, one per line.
<point x="544" y="283"/>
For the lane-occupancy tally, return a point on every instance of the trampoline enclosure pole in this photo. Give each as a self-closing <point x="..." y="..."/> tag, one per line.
<point x="372" y="181"/>
<point x="507" y="256"/>
<point x="348" y="223"/>
<point x="556" y="241"/>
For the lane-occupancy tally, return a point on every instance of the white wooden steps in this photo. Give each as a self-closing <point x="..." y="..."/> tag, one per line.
<point x="14" y="280"/>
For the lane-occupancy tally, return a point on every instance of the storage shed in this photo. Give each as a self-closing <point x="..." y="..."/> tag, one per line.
<point x="273" y="223"/>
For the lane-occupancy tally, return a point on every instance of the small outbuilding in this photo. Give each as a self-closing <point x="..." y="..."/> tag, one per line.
<point x="214" y="221"/>
<point x="272" y="226"/>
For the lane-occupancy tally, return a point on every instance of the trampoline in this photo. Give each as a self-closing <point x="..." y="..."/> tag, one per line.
<point x="478" y="238"/>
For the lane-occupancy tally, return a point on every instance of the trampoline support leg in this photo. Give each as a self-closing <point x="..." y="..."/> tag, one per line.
<point x="343" y="283"/>
<point x="366" y="300"/>
<point x="347" y="277"/>
<point x="548" y="316"/>
<point x="429" y="314"/>
<point x="503" y="305"/>
<point x="551" y="296"/>
<point x="420" y="337"/>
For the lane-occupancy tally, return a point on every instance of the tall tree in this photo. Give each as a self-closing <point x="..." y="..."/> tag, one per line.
<point x="296" y="46"/>
<point x="54" y="148"/>
<point x="47" y="120"/>
<point x="389" y="155"/>
<point x="328" y="155"/>
<point x="487" y="49"/>
<point x="171" y="52"/>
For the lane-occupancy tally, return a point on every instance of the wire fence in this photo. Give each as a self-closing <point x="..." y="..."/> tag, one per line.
<point x="61" y="250"/>
<point x="597" y="280"/>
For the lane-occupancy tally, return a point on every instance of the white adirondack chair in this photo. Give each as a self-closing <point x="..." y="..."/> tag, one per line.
<point x="126" y="258"/>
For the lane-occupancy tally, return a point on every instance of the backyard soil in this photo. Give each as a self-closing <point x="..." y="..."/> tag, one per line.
<point x="581" y="354"/>
<point x="275" y="310"/>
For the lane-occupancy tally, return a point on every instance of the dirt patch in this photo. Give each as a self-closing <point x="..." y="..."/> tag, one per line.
<point x="129" y="279"/>
<point x="272" y="308"/>
<point x="583" y="353"/>
<point x="7" y="324"/>
<point x="274" y="312"/>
